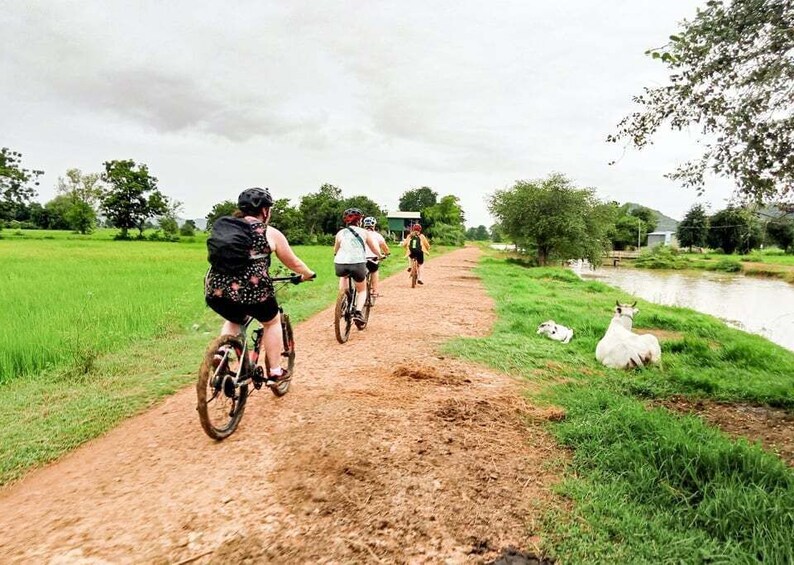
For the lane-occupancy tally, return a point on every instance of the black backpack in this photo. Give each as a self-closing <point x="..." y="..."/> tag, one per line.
<point x="415" y="243"/>
<point x="229" y="245"/>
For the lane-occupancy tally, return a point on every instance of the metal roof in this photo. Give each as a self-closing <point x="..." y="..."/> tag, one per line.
<point x="405" y="215"/>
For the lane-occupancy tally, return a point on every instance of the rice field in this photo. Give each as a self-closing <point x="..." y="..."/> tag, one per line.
<point x="64" y="302"/>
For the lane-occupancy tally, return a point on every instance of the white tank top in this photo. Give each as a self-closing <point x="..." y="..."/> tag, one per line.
<point x="351" y="250"/>
<point x="379" y="240"/>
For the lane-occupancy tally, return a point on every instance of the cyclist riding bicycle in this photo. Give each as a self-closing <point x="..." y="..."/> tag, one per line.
<point x="370" y="224"/>
<point x="416" y="245"/>
<point x="242" y="290"/>
<point x="351" y="247"/>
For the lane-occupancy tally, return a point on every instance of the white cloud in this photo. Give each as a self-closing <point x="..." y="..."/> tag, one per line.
<point x="374" y="96"/>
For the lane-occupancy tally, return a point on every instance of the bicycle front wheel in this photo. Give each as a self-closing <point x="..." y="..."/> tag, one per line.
<point x="220" y="403"/>
<point x="287" y="356"/>
<point x="342" y="318"/>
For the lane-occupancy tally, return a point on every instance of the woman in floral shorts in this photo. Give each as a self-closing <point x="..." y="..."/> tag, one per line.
<point x="251" y="293"/>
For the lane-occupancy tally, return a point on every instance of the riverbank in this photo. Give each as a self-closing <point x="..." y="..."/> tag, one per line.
<point x="646" y="482"/>
<point x="766" y="264"/>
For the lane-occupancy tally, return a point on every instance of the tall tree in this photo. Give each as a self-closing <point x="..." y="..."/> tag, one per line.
<point x="694" y="228"/>
<point x="289" y="221"/>
<point x="84" y="190"/>
<point x="553" y="219"/>
<point x="632" y="226"/>
<point x="132" y="196"/>
<point x="734" y="229"/>
<point x="16" y="185"/>
<point x="225" y="208"/>
<point x="781" y="231"/>
<point x="417" y="199"/>
<point x="731" y="69"/>
<point x="321" y="210"/>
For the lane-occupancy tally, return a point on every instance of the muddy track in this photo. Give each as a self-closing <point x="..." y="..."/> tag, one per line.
<point x="383" y="451"/>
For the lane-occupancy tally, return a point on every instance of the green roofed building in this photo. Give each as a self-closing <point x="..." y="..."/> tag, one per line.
<point x="400" y="223"/>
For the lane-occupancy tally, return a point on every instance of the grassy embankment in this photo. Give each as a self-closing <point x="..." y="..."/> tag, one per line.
<point x="647" y="485"/>
<point x="93" y="331"/>
<point x="768" y="263"/>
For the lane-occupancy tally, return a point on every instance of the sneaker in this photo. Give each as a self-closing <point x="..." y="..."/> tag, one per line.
<point x="420" y="282"/>
<point x="408" y="270"/>
<point x="358" y="319"/>
<point x="284" y="376"/>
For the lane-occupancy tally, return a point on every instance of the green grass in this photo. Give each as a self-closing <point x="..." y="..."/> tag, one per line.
<point x="648" y="485"/>
<point x="93" y="331"/>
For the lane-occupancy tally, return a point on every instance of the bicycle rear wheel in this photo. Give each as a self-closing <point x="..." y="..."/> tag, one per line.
<point x="220" y="403"/>
<point x="414" y="272"/>
<point x="287" y="356"/>
<point x="342" y="316"/>
<point x="368" y="302"/>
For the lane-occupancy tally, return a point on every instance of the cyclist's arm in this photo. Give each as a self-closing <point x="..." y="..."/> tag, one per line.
<point x="337" y="244"/>
<point x="384" y="247"/>
<point x="280" y="246"/>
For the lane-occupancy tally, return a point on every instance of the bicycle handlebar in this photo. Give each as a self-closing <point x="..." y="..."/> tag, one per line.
<point x="293" y="278"/>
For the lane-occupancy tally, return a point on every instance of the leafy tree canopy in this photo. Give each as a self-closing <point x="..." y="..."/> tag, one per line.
<point x="732" y="67"/>
<point x="694" y="228"/>
<point x="83" y="187"/>
<point x="16" y="185"/>
<point x="417" y="199"/>
<point x="321" y="210"/>
<point x="632" y="226"/>
<point x="734" y="229"/>
<point x="554" y="219"/>
<point x="225" y="208"/>
<point x="132" y="196"/>
<point x="480" y="233"/>
<point x="781" y="231"/>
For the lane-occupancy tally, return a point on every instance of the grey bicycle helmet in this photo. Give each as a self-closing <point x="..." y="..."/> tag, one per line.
<point x="352" y="215"/>
<point x="370" y="222"/>
<point x="252" y="200"/>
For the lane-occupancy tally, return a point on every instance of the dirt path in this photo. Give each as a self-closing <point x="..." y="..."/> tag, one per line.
<point x="384" y="451"/>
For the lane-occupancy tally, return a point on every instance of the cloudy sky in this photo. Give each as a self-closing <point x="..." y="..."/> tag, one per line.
<point x="375" y="97"/>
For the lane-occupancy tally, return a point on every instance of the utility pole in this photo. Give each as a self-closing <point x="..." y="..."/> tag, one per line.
<point x="639" y="228"/>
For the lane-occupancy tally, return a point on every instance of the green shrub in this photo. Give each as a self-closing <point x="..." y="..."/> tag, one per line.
<point x="662" y="257"/>
<point x="726" y="266"/>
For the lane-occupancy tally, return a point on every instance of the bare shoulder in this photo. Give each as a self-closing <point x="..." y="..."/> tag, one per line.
<point x="275" y="237"/>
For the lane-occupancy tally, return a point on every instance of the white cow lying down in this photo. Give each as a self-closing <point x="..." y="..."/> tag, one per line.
<point x="620" y="348"/>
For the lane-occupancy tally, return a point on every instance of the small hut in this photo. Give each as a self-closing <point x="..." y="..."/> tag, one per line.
<point x="400" y="223"/>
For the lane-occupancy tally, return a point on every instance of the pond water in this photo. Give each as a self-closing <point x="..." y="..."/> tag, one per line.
<point x="756" y="305"/>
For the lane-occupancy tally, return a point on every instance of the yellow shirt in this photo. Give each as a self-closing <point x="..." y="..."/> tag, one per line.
<point x="423" y="240"/>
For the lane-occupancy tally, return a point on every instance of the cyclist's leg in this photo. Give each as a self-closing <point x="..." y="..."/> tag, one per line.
<point x="268" y="315"/>
<point x="374" y="284"/>
<point x="359" y="274"/>
<point x="420" y="260"/>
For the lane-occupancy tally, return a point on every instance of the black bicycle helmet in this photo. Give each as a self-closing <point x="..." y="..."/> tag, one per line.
<point x="252" y="200"/>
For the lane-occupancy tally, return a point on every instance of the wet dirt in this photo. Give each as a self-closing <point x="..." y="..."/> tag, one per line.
<point x="772" y="427"/>
<point x="384" y="451"/>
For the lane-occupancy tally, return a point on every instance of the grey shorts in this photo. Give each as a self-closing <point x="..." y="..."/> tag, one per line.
<point x="358" y="271"/>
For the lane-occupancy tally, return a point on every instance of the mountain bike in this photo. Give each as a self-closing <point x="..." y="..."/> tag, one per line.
<point x="370" y="302"/>
<point x="414" y="271"/>
<point x="230" y="367"/>
<point x="345" y="310"/>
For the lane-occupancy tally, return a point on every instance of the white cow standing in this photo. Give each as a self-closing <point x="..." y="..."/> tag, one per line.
<point x="620" y="348"/>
